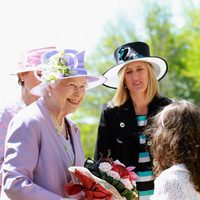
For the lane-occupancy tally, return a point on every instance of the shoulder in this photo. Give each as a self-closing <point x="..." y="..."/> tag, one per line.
<point x="110" y="111"/>
<point x="175" y="178"/>
<point x="162" y="100"/>
<point x="178" y="171"/>
<point x="28" y="111"/>
<point x="165" y="101"/>
<point x="6" y="115"/>
<point x="158" y="103"/>
<point x="27" y="117"/>
<point x="117" y="112"/>
<point x="71" y="122"/>
<point x="174" y="183"/>
<point x="7" y="112"/>
<point x="110" y="107"/>
<point x="72" y="125"/>
<point x="26" y="125"/>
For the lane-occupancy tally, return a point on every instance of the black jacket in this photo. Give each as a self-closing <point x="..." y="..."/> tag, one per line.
<point x="118" y="131"/>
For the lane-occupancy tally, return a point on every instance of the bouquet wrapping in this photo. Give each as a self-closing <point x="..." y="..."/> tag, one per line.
<point x="104" y="179"/>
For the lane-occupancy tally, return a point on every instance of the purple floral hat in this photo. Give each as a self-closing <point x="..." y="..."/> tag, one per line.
<point x="57" y="65"/>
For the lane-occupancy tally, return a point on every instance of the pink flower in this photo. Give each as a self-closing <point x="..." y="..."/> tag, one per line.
<point x="127" y="183"/>
<point x="113" y="174"/>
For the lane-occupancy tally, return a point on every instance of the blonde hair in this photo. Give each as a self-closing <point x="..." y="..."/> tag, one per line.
<point x="122" y="93"/>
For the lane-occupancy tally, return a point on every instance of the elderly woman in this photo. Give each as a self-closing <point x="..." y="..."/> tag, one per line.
<point x="121" y="128"/>
<point x="42" y="142"/>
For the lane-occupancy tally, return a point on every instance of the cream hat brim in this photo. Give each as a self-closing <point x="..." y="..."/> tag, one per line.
<point x="159" y="65"/>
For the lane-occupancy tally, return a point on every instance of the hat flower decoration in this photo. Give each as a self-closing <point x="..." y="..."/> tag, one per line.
<point x="58" y="67"/>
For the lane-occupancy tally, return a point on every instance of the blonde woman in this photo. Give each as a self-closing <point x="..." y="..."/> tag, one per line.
<point x="121" y="127"/>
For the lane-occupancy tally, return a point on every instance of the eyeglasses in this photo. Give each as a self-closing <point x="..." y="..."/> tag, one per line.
<point x="20" y="82"/>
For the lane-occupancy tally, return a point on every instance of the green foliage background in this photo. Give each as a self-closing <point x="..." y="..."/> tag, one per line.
<point x="156" y="25"/>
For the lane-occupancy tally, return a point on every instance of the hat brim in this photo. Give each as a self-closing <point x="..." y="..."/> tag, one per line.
<point x="28" y="69"/>
<point x="92" y="82"/>
<point x="159" y="65"/>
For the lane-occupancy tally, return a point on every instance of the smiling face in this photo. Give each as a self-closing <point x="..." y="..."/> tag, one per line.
<point x="68" y="94"/>
<point x="136" y="77"/>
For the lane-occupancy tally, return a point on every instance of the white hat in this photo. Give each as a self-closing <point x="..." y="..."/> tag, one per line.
<point x="132" y="52"/>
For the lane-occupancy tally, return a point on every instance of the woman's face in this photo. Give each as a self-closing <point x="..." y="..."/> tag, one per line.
<point x="136" y="77"/>
<point x="69" y="93"/>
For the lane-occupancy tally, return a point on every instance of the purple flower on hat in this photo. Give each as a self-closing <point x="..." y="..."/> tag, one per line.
<point x="59" y="66"/>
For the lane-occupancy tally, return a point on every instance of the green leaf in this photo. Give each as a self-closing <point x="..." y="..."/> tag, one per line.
<point x="103" y="175"/>
<point x="120" y="187"/>
<point x="115" y="182"/>
<point x="109" y="179"/>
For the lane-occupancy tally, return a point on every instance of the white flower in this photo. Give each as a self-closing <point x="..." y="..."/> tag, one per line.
<point x="127" y="183"/>
<point x="113" y="174"/>
<point x="117" y="162"/>
<point x="105" y="166"/>
<point x="57" y="67"/>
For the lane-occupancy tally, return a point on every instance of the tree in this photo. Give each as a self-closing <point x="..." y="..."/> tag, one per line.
<point x="180" y="47"/>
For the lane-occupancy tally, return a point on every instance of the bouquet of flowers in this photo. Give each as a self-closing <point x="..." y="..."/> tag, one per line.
<point x="104" y="179"/>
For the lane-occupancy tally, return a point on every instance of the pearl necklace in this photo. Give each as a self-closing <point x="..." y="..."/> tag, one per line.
<point x="59" y="128"/>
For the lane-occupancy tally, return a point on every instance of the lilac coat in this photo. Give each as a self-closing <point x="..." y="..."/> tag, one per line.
<point x="6" y="114"/>
<point x="36" y="163"/>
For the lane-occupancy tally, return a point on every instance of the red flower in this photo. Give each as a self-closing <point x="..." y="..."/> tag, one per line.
<point x="122" y="171"/>
<point x="92" y="189"/>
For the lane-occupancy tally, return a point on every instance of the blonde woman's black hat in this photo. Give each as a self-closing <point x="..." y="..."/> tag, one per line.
<point x="132" y="52"/>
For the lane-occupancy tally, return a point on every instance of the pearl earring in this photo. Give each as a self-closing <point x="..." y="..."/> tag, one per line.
<point x="49" y="94"/>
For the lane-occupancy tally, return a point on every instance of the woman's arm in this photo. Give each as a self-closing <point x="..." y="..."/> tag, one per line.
<point x="21" y="157"/>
